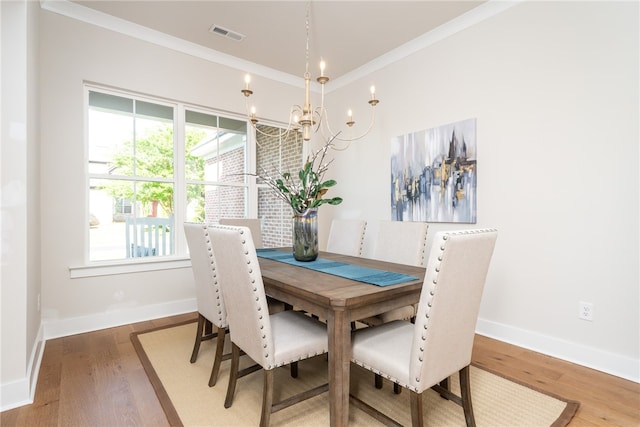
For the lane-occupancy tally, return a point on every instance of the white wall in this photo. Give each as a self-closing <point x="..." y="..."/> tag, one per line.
<point x="554" y="88"/>
<point x="21" y="340"/>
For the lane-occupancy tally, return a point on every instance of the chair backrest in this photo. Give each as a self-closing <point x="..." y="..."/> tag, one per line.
<point x="242" y="288"/>
<point x="401" y="242"/>
<point x="149" y="236"/>
<point x="346" y="236"/>
<point x="208" y="293"/>
<point x="449" y="303"/>
<point x="252" y="223"/>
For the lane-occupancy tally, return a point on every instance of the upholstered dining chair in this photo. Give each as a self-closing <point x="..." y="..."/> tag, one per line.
<point x="346" y="236"/>
<point x="252" y="223"/>
<point x="423" y="355"/>
<point x="211" y="308"/>
<point x="270" y="340"/>
<point x="400" y="242"/>
<point x="210" y="304"/>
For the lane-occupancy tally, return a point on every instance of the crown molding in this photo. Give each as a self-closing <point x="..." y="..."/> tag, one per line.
<point x="462" y="22"/>
<point x="112" y="23"/>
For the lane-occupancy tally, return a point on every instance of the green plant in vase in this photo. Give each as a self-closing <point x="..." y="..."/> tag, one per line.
<point x="305" y="193"/>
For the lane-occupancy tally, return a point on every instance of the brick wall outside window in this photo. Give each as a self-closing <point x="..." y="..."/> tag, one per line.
<point x="276" y="154"/>
<point x="226" y="201"/>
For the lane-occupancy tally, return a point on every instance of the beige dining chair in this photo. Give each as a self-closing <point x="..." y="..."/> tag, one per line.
<point x="256" y="232"/>
<point x="270" y="340"/>
<point x="252" y="223"/>
<point x="399" y="242"/>
<point x="346" y="236"/>
<point x="425" y="354"/>
<point x="211" y="308"/>
<point x="210" y="304"/>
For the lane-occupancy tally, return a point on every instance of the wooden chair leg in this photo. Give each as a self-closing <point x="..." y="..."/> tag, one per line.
<point x="445" y="385"/>
<point x="196" y="344"/>
<point x="465" y="394"/>
<point x="217" y="360"/>
<point x="378" y="381"/>
<point x="267" y="398"/>
<point x="233" y="375"/>
<point x="294" y="369"/>
<point x="396" y="388"/>
<point x="416" y="409"/>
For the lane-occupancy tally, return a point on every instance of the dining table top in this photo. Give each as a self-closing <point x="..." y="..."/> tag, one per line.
<point x="331" y="290"/>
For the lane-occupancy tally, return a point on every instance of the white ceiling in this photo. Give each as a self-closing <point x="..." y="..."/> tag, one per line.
<point x="346" y="34"/>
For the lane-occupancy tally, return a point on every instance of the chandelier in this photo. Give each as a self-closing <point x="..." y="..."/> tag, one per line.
<point x="305" y="118"/>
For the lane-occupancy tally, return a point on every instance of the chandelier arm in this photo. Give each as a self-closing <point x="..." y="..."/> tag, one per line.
<point x="291" y="126"/>
<point x="373" y="113"/>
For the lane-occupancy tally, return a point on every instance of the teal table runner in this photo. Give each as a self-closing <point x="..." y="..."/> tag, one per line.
<point x="341" y="269"/>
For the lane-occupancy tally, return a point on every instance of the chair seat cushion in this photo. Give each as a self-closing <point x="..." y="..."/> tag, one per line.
<point x="384" y="349"/>
<point x="297" y="337"/>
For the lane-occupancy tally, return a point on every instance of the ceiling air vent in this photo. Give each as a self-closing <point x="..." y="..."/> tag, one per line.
<point x="224" y="32"/>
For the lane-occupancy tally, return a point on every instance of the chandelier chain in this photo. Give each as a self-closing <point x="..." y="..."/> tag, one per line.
<point x="308" y="13"/>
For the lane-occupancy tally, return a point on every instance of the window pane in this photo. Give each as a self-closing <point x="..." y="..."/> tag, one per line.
<point x="276" y="219"/>
<point x="110" y="203"/>
<point x="215" y="153"/>
<point x="130" y="219"/>
<point x="209" y="203"/>
<point x="110" y="134"/>
<point x="152" y="147"/>
<point x="276" y="152"/>
<point x="129" y="137"/>
<point x="110" y="102"/>
<point x="215" y="148"/>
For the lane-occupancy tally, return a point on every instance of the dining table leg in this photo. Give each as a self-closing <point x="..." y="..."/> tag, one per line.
<point x="339" y="333"/>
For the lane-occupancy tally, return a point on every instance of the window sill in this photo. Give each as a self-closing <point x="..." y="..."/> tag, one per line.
<point x="124" y="267"/>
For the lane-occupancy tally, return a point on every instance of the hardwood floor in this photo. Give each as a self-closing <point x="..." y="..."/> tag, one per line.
<point x="96" y="379"/>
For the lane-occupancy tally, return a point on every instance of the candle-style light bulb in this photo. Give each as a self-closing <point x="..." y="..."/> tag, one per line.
<point x="247" y="80"/>
<point x="373" y="92"/>
<point x="350" y="121"/>
<point x="322" y="79"/>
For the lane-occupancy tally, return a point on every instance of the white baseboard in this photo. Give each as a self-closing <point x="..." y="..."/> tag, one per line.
<point x="610" y="363"/>
<point x="20" y="392"/>
<point x="55" y="328"/>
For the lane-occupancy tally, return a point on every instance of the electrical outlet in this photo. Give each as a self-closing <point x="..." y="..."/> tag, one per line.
<point x="585" y="311"/>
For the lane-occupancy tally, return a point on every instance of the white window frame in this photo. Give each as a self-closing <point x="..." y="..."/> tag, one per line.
<point x="180" y="258"/>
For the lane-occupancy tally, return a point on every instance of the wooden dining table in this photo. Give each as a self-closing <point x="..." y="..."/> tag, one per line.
<point x="340" y="301"/>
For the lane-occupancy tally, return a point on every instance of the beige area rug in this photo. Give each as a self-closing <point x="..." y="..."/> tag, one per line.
<point x="187" y="400"/>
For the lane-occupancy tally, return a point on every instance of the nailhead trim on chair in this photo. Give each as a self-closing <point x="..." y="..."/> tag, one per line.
<point x="265" y="343"/>
<point x="364" y="229"/>
<point x="432" y="292"/>
<point x="216" y="286"/>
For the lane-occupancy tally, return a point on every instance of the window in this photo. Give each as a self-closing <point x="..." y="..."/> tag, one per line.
<point x="276" y="151"/>
<point x="153" y="164"/>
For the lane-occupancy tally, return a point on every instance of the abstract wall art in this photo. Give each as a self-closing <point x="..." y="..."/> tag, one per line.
<point x="434" y="174"/>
